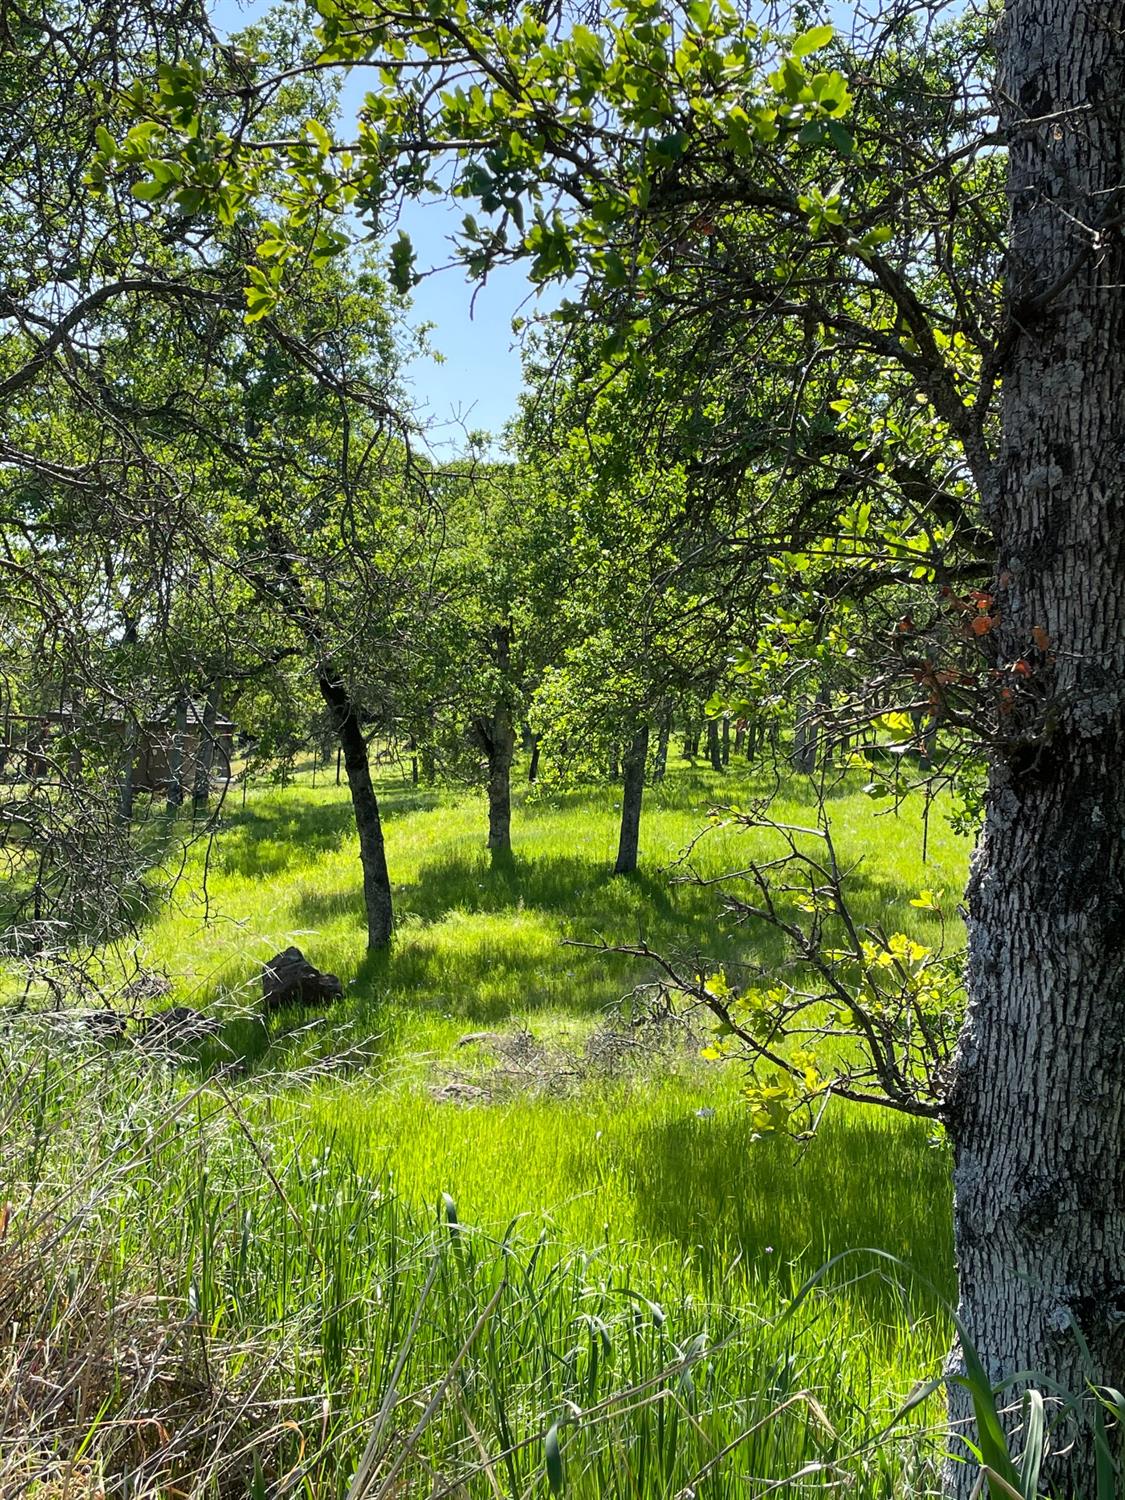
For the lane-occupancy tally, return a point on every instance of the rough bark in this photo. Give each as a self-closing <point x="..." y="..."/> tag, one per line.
<point x="1036" y="1109"/>
<point x="533" y="763"/>
<point x="377" y="899"/>
<point x="632" y="795"/>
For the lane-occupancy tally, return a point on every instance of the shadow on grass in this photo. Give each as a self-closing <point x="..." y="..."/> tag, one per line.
<point x="291" y="826"/>
<point x="293" y="1044"/>
<point x="567" y="884"/>
<point x="488" y="942"/>
<point x="708" y="1185"/>
<point x="272" y="835"/>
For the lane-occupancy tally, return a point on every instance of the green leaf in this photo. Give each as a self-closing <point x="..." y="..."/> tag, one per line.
<point x="142" y="135"/>
<point x="813" y="40"/>
<point x="876" y="237"/>
<point x="842" y="139"/>
<point x="1034" y="1443"/>
<point x="105" y="141"/>
<point x="402" y="264"/>
<point x="190" y="199"/>
<point x="552" y="1457"/>
<point x="147" y="192"/>
<point x="320" y="136"/>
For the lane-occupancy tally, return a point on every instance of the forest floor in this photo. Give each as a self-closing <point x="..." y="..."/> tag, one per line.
<point x="365" y="1187"/>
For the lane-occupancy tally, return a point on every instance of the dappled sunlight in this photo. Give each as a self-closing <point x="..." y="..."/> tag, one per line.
<point x="482" y="942"/>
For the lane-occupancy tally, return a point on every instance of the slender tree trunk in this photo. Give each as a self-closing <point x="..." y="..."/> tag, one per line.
<point x="497" y="737"/>
<point x="205" y="750"/>
<point x="533" y="763"/>
<point x="714" y="747"/>
<point x="176" y="756"/>
<point x="377" y="899"/>
<point x="128" y="776"/>
<point x="726" y="742"/>
<point x="663" y="735"/>
<point x="804" y="739"/>
<point x="501" y="748"/>
<point x="632" y="795"/>
<point x="1037" y="1110"/>
<point x="822" y="739"/>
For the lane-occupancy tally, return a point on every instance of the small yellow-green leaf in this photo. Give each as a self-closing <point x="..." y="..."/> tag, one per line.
<point x="812" y="40"/>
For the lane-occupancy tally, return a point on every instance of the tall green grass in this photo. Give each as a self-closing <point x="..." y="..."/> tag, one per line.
<point x="237" y="1263"/>
<point x="198" y="1301"/>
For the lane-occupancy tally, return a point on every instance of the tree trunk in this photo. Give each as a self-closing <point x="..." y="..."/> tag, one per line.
<point x="662" y="738"/>
<point x="1037" y="1109"/>
<point x="377" y="900"/>
<point x="726" y="742"/>
<point x="205" y="750"/>
<point x="176" y="756"/>
<point x="533" y="763"/>
<point x="501" y="748"/>
<point x="128" y="776"/>
<point x="632" y="794"/>
<point x="804" y="739"/>
<point x="714" y="747"/>
<point x="822" y="735"/>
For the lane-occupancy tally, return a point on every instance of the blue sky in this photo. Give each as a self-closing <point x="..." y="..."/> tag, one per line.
<point x="477" y="384"/>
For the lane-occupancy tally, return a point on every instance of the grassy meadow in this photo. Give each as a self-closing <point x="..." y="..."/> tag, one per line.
<point x="355" y="1255"/>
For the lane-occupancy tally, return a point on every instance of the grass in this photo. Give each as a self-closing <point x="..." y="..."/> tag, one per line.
<point x="250" y="1259"/>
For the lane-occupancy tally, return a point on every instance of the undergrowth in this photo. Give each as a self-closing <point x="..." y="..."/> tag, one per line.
<point x="240" y="1274"/>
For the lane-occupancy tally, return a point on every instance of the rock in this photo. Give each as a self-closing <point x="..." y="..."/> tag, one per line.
<point x="177" y="1027"/>
<point x="104" y="1026"/>
<point x="289" y="979"/>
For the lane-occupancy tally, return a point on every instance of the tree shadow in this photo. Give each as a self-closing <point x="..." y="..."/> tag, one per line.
<point x="471" y="882"/>
<point x="273" y="834"/>
<point x="486" y="941"/>
<point x="864" y="1182"/>
<point x="489" y="942"/>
